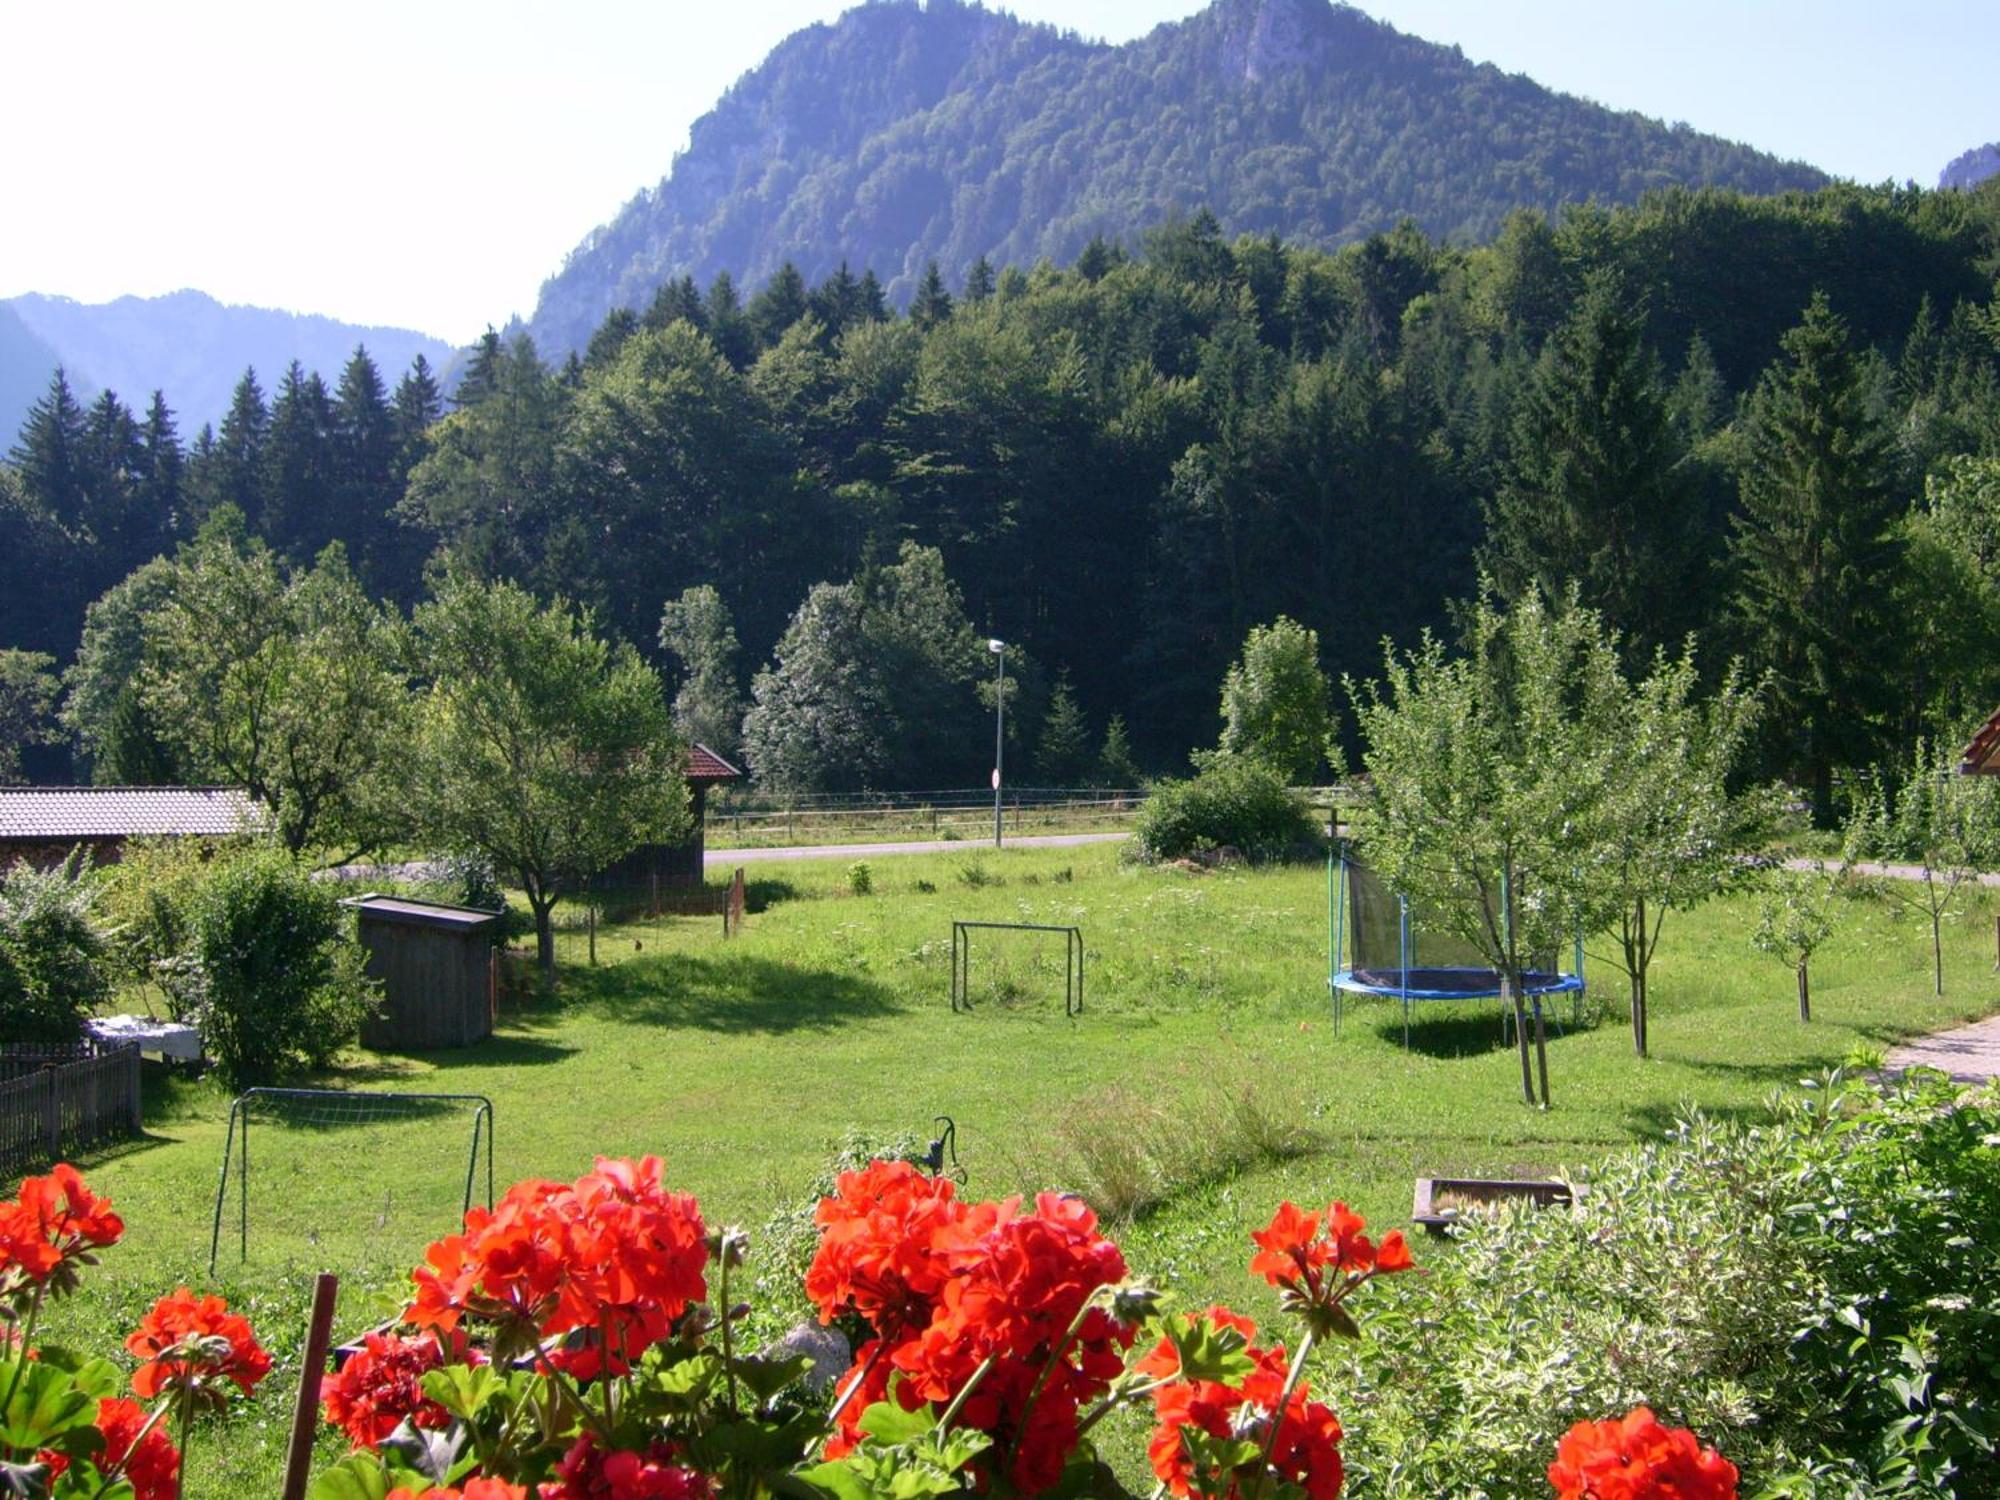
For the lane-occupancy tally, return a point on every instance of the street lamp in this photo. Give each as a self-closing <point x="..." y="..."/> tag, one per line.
<point x="999" y="649"/>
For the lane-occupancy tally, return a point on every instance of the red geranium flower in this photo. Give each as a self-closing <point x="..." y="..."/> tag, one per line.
<point x="152" y="1469"/>
<point x="382" y="1384"/>
<point x="1638" y="1459"/>
<point x="475" y="1489"/>
<point x="877" y="1254"/>
<point x="197" y="1340"/>
<point x="51" y="1220"/>
<point x="588" y="1472"/>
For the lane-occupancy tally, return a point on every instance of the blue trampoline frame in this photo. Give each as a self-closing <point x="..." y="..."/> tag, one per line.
<point x="1341" y="980"/>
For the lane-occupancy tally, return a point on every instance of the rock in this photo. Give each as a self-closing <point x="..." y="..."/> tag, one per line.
<point x="825" y="1347"/>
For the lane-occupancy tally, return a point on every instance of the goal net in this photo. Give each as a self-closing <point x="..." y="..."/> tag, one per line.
<point x="1019" y="962"/>
<point x="343" y="1179"/>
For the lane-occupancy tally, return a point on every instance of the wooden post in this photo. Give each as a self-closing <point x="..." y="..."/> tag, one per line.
<point x="136" y="1096"/>
<point x="1805" y="995"/>
<point x="305" y="1412"/>
<point x="51" y="1112"/>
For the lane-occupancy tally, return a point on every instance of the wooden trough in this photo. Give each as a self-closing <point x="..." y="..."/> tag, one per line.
<point x="1440" y="1200"/>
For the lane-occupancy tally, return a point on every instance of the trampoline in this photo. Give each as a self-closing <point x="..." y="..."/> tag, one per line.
<point x="1380" y="943"/>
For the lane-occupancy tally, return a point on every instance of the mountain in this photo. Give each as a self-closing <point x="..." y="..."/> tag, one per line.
<point x="1970" y="168"/>
<point x="185" y="343"/>
<point x="906" y="132"/>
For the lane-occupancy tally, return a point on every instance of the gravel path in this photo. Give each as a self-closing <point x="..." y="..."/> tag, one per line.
<point x="1971" y="1054"/>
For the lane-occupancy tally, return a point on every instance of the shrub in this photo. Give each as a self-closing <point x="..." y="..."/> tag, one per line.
<point x="860" y="879"/>
<point x="276" y="980"/>
<point x="1813" y="1295"/>
<point x="1235" y="802"/>
<point x="148" y="897"/>
<point x="52" y="966"/>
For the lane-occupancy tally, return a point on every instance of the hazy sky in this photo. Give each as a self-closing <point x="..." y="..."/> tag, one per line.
<point x="425" y="163"/>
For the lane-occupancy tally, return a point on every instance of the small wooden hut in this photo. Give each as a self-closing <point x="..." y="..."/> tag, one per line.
<point x="437" y="968"/>
<point x="652" y="868"/>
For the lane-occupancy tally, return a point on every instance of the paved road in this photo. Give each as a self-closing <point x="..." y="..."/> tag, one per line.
<point x="1885" y="872"/>
<point x="1971" y="1054"/>
<point x="918" y="846"/>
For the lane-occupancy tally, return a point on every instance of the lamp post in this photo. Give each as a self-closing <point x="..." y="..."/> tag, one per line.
<point x="999" y="649"/>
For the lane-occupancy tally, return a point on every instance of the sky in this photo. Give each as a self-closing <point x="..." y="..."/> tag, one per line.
<point x="426" y="163"/>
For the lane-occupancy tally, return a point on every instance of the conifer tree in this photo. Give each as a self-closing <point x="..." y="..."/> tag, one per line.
<point x="1590" y="491"/>
<point x="230" y="469"/>
<point x="297" y="519"/>
<point x="482" y="371"/>
<point x="728" y="325"/>
<point x="419" y="404"/>
<point x="1115" y="765"/>
<point x="163" y="465"/>
<point x="1815" y="556"/>
<point x="677" y="301"/>
<point x="1063" y="755"/>
<point x="979" y="280"/>
<point x="932" y="304"/>
<point x="779" y="305"/>
<point x="48" y="454"/>
<point x="365" y="484"/>
<point x="619" y="325"/>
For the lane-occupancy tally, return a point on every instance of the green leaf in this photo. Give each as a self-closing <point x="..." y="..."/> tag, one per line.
<point x="359" y="1476"/>
<point x="766" y="1375"/>
<point x="431" y="1452"/>
<point x="1208" y="1352"/>
<point x="465" y="1390"/>
<point x="886" y="1422"/>
<point x="47" y="1407"/>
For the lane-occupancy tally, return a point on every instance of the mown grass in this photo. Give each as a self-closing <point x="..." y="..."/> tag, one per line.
<point x="1201" y="1085"/>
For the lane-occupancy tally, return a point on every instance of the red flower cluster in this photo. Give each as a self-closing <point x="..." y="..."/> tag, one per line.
<point x="1306" y="1450"/>
<point x="195" y="1341"/>
<point x="1638" y="1459"/>
<point x="382" y="1384"/>
<point x="1318" y="1259"/>
<point x="588" y="1472"/>
<point x="475" y="1489"/>
<point x="613" y="1253"/>
<point x="152" y="1468"/>
<point x="946" y="1286"/>
<point x="52" y="1222"/>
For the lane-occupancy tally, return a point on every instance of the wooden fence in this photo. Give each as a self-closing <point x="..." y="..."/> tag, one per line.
<point x="57" y="1101"/>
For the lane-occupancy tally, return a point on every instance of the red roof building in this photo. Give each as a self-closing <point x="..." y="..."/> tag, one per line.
<point x="651" y="868"/>
<point x="1982" y="756"/>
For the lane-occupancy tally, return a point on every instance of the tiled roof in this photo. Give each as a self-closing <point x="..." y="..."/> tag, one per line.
<point x="56" y="813"/>
<point x="1982" y="756"/>
<point x="705" y="765"/>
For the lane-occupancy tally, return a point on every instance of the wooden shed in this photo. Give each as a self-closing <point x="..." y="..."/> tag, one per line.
<point x="651" y="868"/>
<point x="436" y="965"/>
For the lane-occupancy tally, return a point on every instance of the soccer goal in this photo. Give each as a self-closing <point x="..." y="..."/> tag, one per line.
<point x="345" y="1177"/>
<point x="1017" y="969"/>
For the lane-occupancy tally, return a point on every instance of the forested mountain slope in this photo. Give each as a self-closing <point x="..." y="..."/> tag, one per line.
<point x="185" y="343"/>
<point x="902" y="134"/>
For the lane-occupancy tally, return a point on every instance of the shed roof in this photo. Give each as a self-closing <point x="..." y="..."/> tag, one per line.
<point x="1982" y="756"/>
<point x="413" y="913"/>
<point x="52" y="814"/>
<point x="705" y="765"/>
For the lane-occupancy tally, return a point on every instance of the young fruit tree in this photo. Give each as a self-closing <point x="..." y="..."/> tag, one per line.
<point x="1945" y="825"/>
<point x="1671" y="829"/>
<point x="539" y="743"/>
<point x="1488" y="779"/>
<point x="1795" y="918"/>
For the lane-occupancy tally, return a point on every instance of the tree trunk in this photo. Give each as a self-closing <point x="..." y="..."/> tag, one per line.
<point x="545" y="936"/>
<point x="1542" y="1052"/>
<point x="1635" y="965"/>
<point x="1937" y="953"/>
<point x="1822" y="794"/>
<point x="1805" y="994"/>
<point x="1510" y="989"/>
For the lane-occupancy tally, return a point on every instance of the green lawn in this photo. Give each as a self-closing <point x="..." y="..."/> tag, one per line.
<point x="1205" y="1041"/>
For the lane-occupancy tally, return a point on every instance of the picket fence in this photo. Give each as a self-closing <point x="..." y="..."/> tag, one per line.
<point x="58" y="1100"/>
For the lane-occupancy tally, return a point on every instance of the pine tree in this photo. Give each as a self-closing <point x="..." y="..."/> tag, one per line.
<point x="230" y="469"/>
<point x="163" y="467"/>
<point x="727" y="324"/>
<point x="365" y="484"/>
<point x="48" y="454"/>
<point x="837" y="302"/>
<point x="979" y="280"/>
<point x="871" y="303"/>
<point x="419" y="404"/>
<point x="1115" y="766"/>
<point x="1590" y="491"/>
<point x="1063" y="755"/>
<point x="677" y="301"/>
<point x="482" y="371"/>
<point x="779" y="305"/>
<point x="297" y="518"/>
<point x="619" y="325"/>
<point x="932" y="304"/>
<point x="1815" y="554"/>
